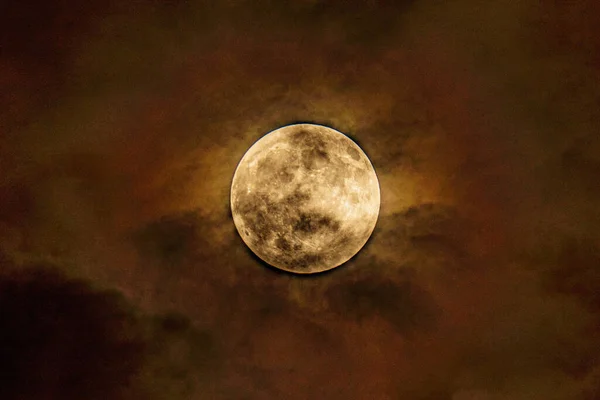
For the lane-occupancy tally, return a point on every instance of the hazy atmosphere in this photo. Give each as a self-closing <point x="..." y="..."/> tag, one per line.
<point x="122" y="275"/>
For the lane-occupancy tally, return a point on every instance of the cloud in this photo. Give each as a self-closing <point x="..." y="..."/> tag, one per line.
<point x="400" y="302"/>
<point x="172" y="240"/>
<point x="576" y="272"/>
<point x="63" y="338"/>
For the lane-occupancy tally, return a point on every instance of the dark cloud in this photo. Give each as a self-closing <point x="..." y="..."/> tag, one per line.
<point x="62" y="338"/>
<point x="399" y="301"/>
<point x="427" y="239"/>
<point x="576" y="272"/>
<point x="181" y="360"/>
<point x="171" y="240"/>
<point x="423" y="222"/>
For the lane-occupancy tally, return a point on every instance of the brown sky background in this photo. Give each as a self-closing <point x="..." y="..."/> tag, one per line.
<point x="122" y="275"/>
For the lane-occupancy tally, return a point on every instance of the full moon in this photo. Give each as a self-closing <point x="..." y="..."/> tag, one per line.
<point x="305" y="198"/>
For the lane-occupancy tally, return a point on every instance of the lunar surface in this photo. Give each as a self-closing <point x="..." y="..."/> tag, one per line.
<point x="305" y="198"/>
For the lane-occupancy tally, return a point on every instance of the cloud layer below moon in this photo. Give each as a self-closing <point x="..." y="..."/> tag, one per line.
<point x="120" y="130"/>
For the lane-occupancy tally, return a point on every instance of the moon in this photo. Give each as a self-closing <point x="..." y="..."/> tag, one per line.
<point x="305" y="198"/>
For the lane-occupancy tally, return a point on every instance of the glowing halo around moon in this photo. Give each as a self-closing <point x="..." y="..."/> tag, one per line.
<point x="305" y="198"/>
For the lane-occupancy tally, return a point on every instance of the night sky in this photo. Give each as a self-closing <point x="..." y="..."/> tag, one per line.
<point x="122" y="275"/>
